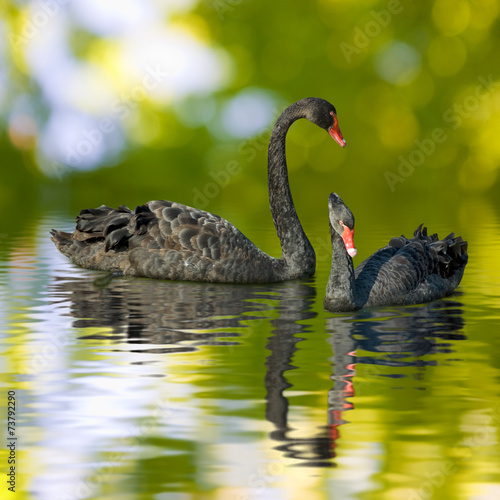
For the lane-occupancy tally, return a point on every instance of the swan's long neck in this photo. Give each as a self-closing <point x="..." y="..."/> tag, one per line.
<point x="298" y="253"/>
<point x="340" y="291"/>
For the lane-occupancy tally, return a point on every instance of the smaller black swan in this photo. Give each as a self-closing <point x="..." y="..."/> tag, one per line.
<point x="401" y="273"/>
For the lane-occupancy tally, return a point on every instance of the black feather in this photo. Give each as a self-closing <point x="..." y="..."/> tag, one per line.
<point x="117" y="240"/>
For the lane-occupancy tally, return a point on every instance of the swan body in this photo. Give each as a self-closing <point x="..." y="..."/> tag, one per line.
<point x="168" y="240"/>
<point x="406" y="271"/>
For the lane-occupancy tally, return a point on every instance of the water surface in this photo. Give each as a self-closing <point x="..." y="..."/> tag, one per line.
<point x="145" y="389"/>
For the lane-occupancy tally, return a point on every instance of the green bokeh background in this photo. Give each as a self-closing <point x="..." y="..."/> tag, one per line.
<point x="398" y="72"/>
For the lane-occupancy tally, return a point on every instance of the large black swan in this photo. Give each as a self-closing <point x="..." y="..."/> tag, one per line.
<point x="403" y="272"/>
<point x="167" y="240"/>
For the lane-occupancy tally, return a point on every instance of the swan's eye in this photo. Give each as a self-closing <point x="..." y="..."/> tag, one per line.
<point x="341" y="223"/>
<point x="332" y="113"/>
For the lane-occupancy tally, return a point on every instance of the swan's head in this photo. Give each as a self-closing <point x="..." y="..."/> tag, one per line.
<point x="342" y="222"/>
<point x="324" y="115"/>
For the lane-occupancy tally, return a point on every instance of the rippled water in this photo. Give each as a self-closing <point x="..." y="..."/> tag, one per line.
<point x="143" y="389"/>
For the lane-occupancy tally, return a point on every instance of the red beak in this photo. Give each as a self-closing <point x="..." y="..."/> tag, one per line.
<point x="335" y="132"/>
<point x="348" y="241"/>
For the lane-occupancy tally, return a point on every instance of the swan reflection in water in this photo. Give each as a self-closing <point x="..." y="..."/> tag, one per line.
<point x="397" y="337"/>
<point x="180" y="317"/>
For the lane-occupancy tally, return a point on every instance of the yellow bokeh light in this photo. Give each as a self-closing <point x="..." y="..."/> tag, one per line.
<point x="476" y="176"/>
<point x="482" y="125"/>
<point x="446" y="55"/>
<point x="451" y="17"/>
<point x="484" y="14"/>
<point x="106" y="53"/>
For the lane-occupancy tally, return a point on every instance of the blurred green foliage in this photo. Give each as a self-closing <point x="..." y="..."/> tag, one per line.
<point x="415" y="85"/>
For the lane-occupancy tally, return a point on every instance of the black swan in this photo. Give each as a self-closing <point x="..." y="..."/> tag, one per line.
<point x="401" y="273"/>
<point x="167" y="240"/>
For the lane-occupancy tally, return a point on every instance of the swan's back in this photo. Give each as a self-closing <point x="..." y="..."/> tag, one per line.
<point x="166" y="240"/>
<point x="410" y="271"/>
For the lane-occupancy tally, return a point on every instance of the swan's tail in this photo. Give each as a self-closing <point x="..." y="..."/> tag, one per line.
<point x="450" y="253"/>
<point x="93" y="224"/>
<point x="61" y="240"/>
<point x="112" y="227"/>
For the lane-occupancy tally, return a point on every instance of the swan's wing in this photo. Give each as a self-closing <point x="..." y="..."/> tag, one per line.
<point x="375" y="261"/>
<point x="411" y="271"/>
<point x="161" y="225"/>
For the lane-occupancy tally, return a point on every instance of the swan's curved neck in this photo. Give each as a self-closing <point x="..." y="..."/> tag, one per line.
<point x="298" y="253"/>
<point x="340" y="291"/>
